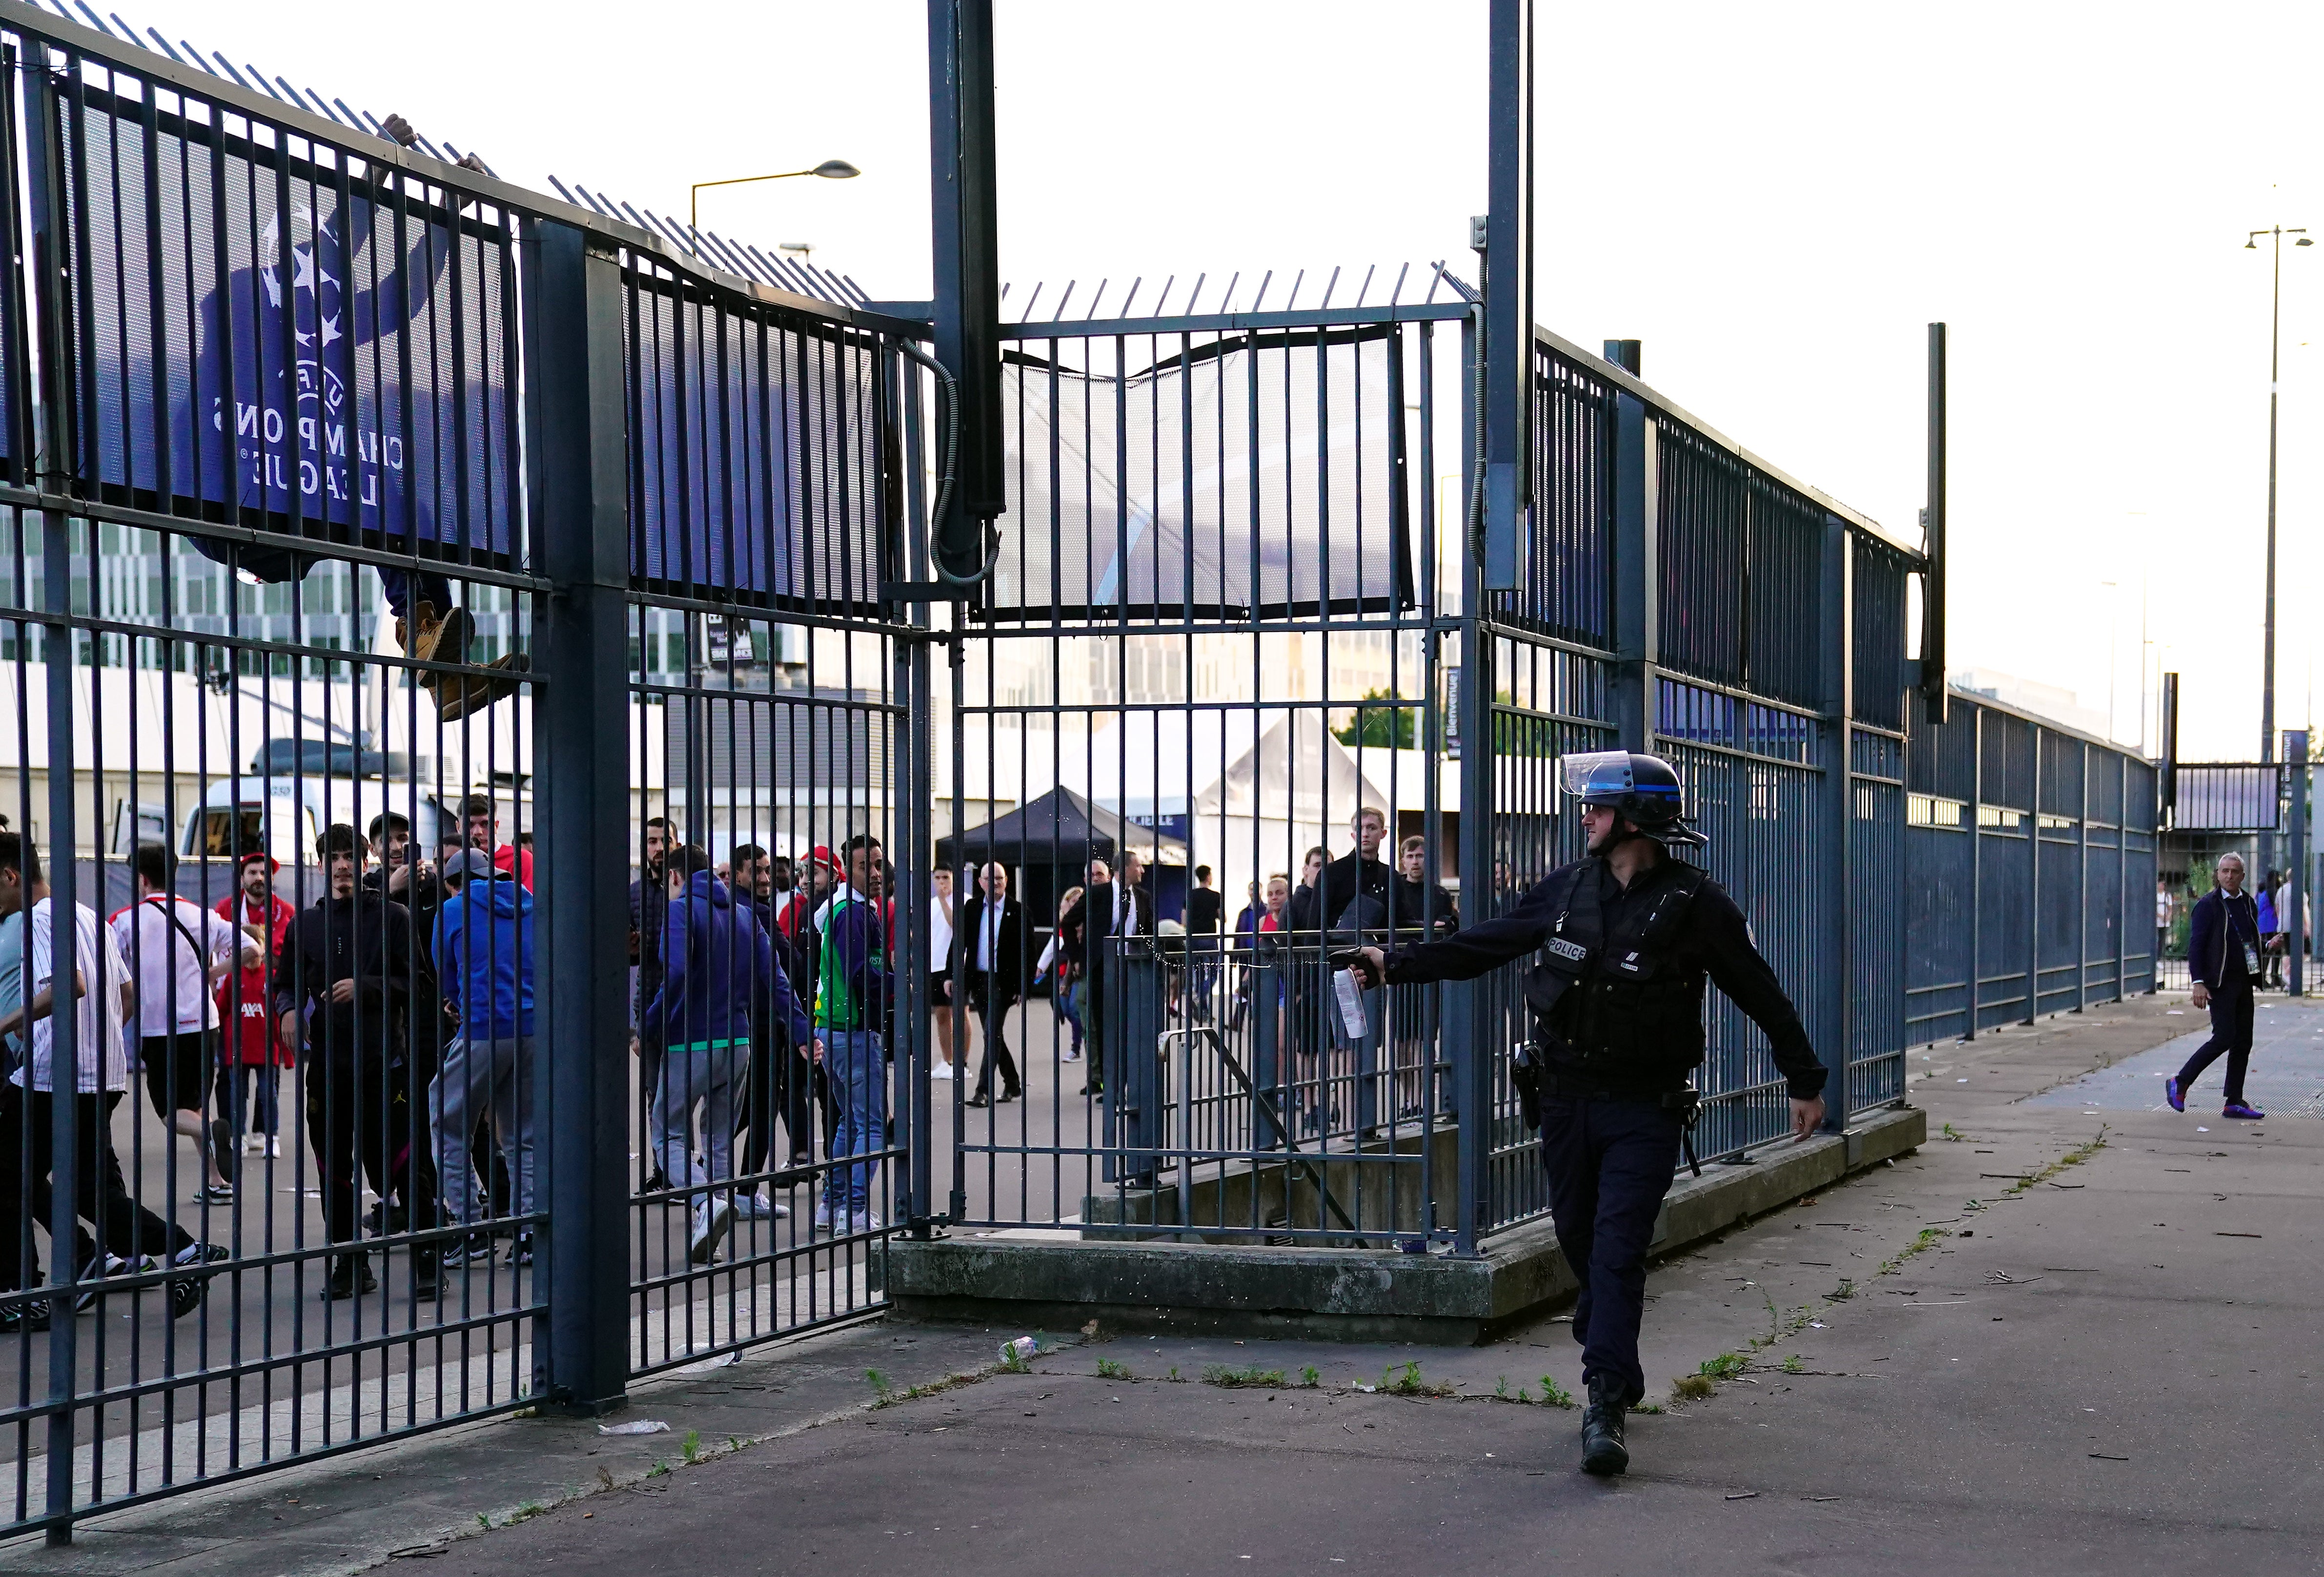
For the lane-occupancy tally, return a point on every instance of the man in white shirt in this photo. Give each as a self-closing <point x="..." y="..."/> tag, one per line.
<point x="177" y="952"/>
<point x="102" y="999"/>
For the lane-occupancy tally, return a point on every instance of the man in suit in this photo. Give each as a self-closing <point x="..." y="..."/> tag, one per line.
<point x="993" y="934"/>
<point x="1107" y="911"/>
<point x="2223" y="955"/>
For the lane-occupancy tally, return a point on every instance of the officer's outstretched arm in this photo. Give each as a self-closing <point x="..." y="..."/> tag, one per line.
<point x="1464" y="955"/>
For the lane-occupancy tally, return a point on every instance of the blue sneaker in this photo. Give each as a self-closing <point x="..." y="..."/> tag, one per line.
<point x="2244" y="1110"/>
<point x="2175" y="1094"/>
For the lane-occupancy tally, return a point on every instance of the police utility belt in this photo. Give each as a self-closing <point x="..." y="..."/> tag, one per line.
<point x="1630" y="994"/>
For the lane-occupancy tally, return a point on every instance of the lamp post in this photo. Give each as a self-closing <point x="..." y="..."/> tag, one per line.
<point x="2276" y="233"/>
<point x="830" y="170"/>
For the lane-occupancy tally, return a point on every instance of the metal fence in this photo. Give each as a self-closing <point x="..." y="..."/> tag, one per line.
<point x="2032" y="858"/>
<point x="362" y="1152"/>
<point x="1679" y="595"/>
<point x="646" y="531"/>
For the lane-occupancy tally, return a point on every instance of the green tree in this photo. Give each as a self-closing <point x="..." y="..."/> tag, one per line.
<point x="1385" y="720"/>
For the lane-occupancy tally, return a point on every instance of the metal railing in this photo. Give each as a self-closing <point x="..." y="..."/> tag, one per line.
<point x="2032" y="853"/>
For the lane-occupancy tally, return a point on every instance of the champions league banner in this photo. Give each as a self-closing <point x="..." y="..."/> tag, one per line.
<point x="274" y="343"/>
<point x="754" y="452"/>
<point x="282" y="336"/>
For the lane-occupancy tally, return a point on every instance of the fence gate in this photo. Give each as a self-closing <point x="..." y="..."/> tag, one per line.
<point x="370" y="529"/>
<point x="1207" y="647"/>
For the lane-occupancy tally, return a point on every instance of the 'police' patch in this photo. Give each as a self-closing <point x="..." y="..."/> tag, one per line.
<point x="1572" y="952"/>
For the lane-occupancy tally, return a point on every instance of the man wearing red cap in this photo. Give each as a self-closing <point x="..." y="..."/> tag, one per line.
<point x="253" y="1052"/>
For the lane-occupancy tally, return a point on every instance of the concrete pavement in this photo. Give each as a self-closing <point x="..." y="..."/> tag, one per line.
<point x="2021" y="1347"/>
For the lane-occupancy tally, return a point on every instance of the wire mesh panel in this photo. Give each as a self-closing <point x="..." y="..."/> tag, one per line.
<point x="1199" y="741"/>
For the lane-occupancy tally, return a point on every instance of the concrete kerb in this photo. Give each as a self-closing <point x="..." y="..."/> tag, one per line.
<point x="1348" y="1295"/>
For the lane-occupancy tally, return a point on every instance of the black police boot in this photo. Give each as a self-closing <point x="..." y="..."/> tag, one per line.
<point x="1602" y="1450"/>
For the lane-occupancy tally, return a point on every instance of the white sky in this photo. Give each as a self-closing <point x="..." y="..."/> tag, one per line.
<point x="1776" y="199"/>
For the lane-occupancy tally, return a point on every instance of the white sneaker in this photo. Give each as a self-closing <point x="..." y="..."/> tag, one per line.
<point x="823" y="1215"/>
<point x="710" y="1224"/>
<point x="866" y="1221"/>
<point x="253" y="1144"/>
<point x="274" y="1147"/>
<point x="758" y="1207"/>
<point x="1073" y="1056"/>
<point x="943" y="1070"/>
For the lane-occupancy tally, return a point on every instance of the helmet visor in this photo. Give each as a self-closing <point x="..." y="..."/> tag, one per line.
<point x="1592" y="775"/>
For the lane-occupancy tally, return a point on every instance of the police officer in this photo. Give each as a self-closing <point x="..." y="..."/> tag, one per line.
<point x="1621" y="941"/>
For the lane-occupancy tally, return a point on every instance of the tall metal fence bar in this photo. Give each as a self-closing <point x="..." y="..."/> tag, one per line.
<point x="2031" y="849"/>
<point x="369" y="527"/>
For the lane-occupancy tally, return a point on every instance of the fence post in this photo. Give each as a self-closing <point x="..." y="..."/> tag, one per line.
<point x="575" y="388"/>
<point x="1636" y="610"/>
<point x="1976" y="865"/>
<point x="2295" y="758"/>
<point x="1835" y="983"/>
<point x="2082" y="887"/>
<point x="2034" y="887"/>
<point x="59" y="643"/>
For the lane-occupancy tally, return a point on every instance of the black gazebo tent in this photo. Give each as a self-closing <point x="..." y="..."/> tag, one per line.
<point x="1049" y="842"/>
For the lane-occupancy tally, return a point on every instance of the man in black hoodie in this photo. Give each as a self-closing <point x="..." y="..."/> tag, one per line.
<point x="1348" y="904"/>
<point x="350" y="968"/>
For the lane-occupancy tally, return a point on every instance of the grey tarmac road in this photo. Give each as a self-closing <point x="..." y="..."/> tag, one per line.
<point x="2107" y="1365"/>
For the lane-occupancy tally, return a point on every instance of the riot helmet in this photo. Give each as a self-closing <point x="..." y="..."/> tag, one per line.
<point x="1642" y="790"/>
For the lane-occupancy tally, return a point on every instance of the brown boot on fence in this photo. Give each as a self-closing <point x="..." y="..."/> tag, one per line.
<point x="446" y="639"/>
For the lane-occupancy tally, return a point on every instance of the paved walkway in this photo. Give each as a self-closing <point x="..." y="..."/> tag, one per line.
<point x="2286" y="1077"/>
<point x="2045" y="1342"/>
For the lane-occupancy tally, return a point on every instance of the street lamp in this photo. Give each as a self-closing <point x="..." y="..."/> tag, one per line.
<point x="2276" y="233"/>
<point x="830" y="170"/>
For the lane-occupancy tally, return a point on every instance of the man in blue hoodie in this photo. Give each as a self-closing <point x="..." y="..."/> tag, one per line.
<point x="483" y="956"/>
<point x="718" y="975"/>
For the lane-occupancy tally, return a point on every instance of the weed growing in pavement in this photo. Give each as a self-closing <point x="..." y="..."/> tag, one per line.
<point x="1410" y="1384"/>
<point x="1794" y="1364"/>
<point x="879" y="1385"/>
<point x="1952" y="1134"/>
<point x="1311" y="1376"/>
<point x="1175" y="1377"/>
<point x="1726" y="1366"/>
<point x="1219" y="1374"/>
<point x="1553" y="1394"/>
<point x="659" y="1471"/>
<point x="1691" y="1387"/>
<point x="690" y="1448"/>
<point x="2073" y="1157"/>
<point x="1920" y="1245"/>
<point x="1106" y="1368"/>
<point x="1843" y="1292"/>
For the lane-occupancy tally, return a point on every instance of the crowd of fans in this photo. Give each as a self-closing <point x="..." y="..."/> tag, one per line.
<point x="762" y="1003"/>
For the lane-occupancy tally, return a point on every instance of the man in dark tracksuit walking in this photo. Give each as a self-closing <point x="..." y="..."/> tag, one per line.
<point x="2223" y="954"/>
<point x="1622" y="940"/>
<point x="351" y="966"/>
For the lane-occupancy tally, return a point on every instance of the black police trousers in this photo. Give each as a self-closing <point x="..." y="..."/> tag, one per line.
<point x="1610" y="1163"/>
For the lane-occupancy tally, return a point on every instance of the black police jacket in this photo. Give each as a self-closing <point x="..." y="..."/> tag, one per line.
<point x="1616" y="984"/>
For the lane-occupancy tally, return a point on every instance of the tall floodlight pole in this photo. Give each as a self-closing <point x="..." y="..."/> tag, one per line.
<point x="2276" y="233"/>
